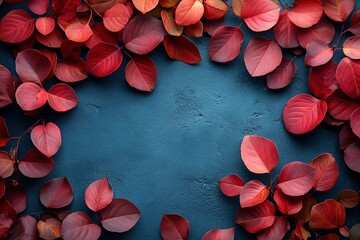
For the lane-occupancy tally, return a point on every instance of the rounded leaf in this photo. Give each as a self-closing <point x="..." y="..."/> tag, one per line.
<point x="30" y="96"/>
<point x="174" y="226"/>
<point x="36" y="165"/>
<point x="355" y="122"/>
<point x="351" y="47"/>
<point x="101" y="35"/>
<point x="220" y="234"/>
<point x="285" y="31"/>
<point x="46" y="138"/>
<point x="78" y="225"/>
<point x="38" y="7"/>
<point x="347" y="137"/>
<point x="253" y="193"/>
<point x="231" y="185"/>
<point x="56" y="193"/>
<point x="348" y="77"/>
<point x="306" y="13"/>
<point x="317" y="53"/>
<point x="323" y="31"/>
<point x="98" y="194"/>
<point x="78" y="31"/>
<point x="7" y="87"/>
<point x="327" y="172"/>
<point x="287" y="205"/>
<point x="277" y="231"/>
<point x="141" y="73"/>
<point x="62" y="97"/>
<point x="45" y="25"/>
<point x="214" y="9"/>
<point x="49" y="228"/>
<point x="322" y="80"/>
<point x="168" y="19"/>
<point x="182" y="49"/>
<point x="6" y="165"/>
<point x="16" y="26"/>
<point x="338" y="10"/>
<point x="188" y="12"/>
<point x="349" y="198"/>
<point x="117" y="17"/>
<point x="282" y="75"/>
<point x="329" y="214"/>
<point x="352" y="156"/>
<point x="340" y="106"/>
<point x="355" y="23"/>
<point x="145" y="6"/>
<point x="4" y="133"/>
<point x="71" y="70"/>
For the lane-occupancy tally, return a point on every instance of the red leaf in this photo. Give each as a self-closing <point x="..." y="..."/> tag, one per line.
<point x="142" y="34"/>
<point x="259" y="154"/>
<point x="317" y="53"/>
<point x="253" y="193"/>
<point x="101" y="35"/>
<point x="349" y="198"/>
<point x="296" y="178"/>
<point x="62" y="97"/>
<point x="194" y="30"/>
<point x="32" y="66"/>
<point x="49" y="228"/>
<point x="5" y="224"/>
<point x="7" y="87"/>
<point x="332" y="121"/>
<point x="2" y="188"/>
<point x="53" y="39"/>
<point x="301" y="232"/>
<point x="306" y="13"/>
<point x="340" y="106"/>
<point x="145" y="6"/>
<point x="116" y="17"/>
<point x="45" y="25"/>
<point x="214" y="9"/>
<point x="308" y="201"/>
<point x="70" y="49"/>
<point x="174" y="227"/>
<point x="338" y="10"/>
<point x="7" y="209"/>
<point x="101" y="6"/>
<point x="323" y="31"/>
<point x="6" y="165"/>
<point x="351" y="47"/>
<point x="17" y="197"/>
<point x="78" y="31"/>
<point x="220" y="234"/>
<point x="103" y="59"/>
<point x="4" y="133"/>
<point x="347" y="137"/>
<point x="66" y="9"/>
<point x="231" y="185"/>
<point x="56" y="193"/>
<point x="71" y="70"/>
<point x="352" y="156"/>
<point x="355" y="122"/>
<point x="168" y="19"/>
<point x="46" y="138"/>
<point x="348" y="77"/>
<point x="98" y="194"/>
<point x="189" y="12"/>
<point x="182" y="49"/>
<point x="78" y="225"/>
<point x="344" y="231"/>
<point x="38" y="7"/>
<point x="327" y="172"/>
<point x="16" y="26"/>
<point x="303" y="113"/>
<point x="262" y="56"/>
<point x="329" y="214"/>
<point x="276" y="231"/>
<point x="282" y="75"/>
<point x="36" y="165"/>
<point x="287" y="205"/>
<point x="30" y="96"/>
<point x="210" y="26"/>
<point x="25" y="227"/>
<point x="260" y="15"/>
<point x="254" y="219"/>
<point x="141" y="73"/>
<point x="225" y="44"/>
<point x="322" y="81"/>
<point x="355" y="23"/>
<point x="285" y="31"/>
<point x="120" y="215"/>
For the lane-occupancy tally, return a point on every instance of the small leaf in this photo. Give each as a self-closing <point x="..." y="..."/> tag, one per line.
<point x="36" y="165"/>
<point x="347" y="137"/>
<point x="306" y="13"/>
<point x="214" y="9"/>
<point x="141" y="73"/>
<point x="349" y="198"/>
<point x="174" y="227"/>
<point x="352" y="156"/>
<point x="49" y="228"/>
<point x="322" y="80"/>
<point x="98" y="194"/>
<point x="116" y="17"/>
<point x="282" y="75"/>
<point x="351" y="47"/>
<point x="287" y="205"/>
<point x="344" y="231"/>
<point x="285" y="31"/>
<point x="6" y="165"/>
<point x="317" y="53"/>
<point x="327" y="172"/>
<point x="145" y="6"/>
<point x="253" y="193"/>
<point x="182" y="49"/>
<point x="188" y="12"/>
<point x="168" y="19"/>
<point x="348" y="77"/>
<point x="329" y="214"/>
<point x="340" y="106"/>
<point x="231" y="185"/>
<point x="62" y="97"/>
<point x="56" y="193"/>
<point x="4" y="133"/>
<point x="78" y="31"/>
<point x="338" y="10"/>
<point x="220" y="234"/>
<point x="46" y="138"/>
<point x="276" y="231"/>
<point x="71" y="70"/>
<point x="16" y="26"/>
<point x="78" y="225"/>
<point x="45" y="25"/>
<point x="7" y="87"/>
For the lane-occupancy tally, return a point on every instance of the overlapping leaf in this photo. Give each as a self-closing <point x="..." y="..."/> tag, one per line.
<point x="140" y="73"/>
<point x="182" y="49"/>
<point x="98" y="194"/>
<point x="174" y="226"/>
<point x="231" y="185"/>
<point x="282" y="75"/>
<point x="78" y="225"/>
<point x="56" y="193"/>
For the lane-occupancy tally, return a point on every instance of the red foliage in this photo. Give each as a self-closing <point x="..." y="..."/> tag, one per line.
<point x="182" y="49"/>
<point x="282" y="75"/>
<point x="36" y="165"/>
<point x="78" y="225"/>
<point x="56" y="193"/>
<point x="327" y="215"/>
<point x="231" y="185"/>
<point x="46" y="138"/>
<point x="141" y="73"/>
<point x="98" y="195"/>
<point x="174" y="226"/>
<point x="220" y="234"/>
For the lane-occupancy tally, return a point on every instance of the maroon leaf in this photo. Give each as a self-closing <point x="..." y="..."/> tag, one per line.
<point x="174" y="227"/>
<point x="98" y="194"/>
<point x="285" y="31"/>
<point x="287" y="205"/>
<point x="308" y="201"/>
<point x="306" y="13"/>
<point x="120" y="215"/>
<point x="348" y="77"/>
<point x="53" y="39"/>
<point x="253" y="193"/>
<point x="352" y="156"/>
<point x="317" y="53"/>
<point x="210" y="26"/>
<point x="7" y="209"/>
<point x="338" y="10"/>
<point x="17" y="196"/>
<point x="56" y="193"/>
<point x="276" y="231"/>
<point x="62" y="97"/>
<point x="70" y="50"/>
<point x="7" y="87"/>
<point x="78" y="225"/>
<point x="65" y="8"/>
<point x="71" y="70"/>
<point x="16" y="26"/>
<point x="332" y="121"/>
<point x="225" y="44"/>
<point x="282" y="75"/>
<point x="329" y="214"/>
<point x="36" y="165"/>
<point x="220" y="234"/>
<point x="141" y="73"/>
<point x="101" y="35"/>
<point x="182" y="49"/>
<point x="38" y="7"/>
<point x="4" y="133"/>
<point x="30" y="96"/>
<point x="46" y="138"/>
<point x="6" y="165"/>
<point x="2" y="188"/>
<point x="347" y="137"/>
<point x="355" y="122"/>
<point x="231" y="185"/>
<point x="322" y="81"/>
<point x="355" y="23"/>
<point x="323" y="31"/>
<point x="349" y="198"/>
<point x="340" y="106"/>
<point x="25" y="227"/>
<point x="351" y="47"/>
<point x="327" y="172"/>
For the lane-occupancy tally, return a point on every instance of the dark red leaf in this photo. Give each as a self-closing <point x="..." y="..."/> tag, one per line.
<point x="287" y="205"/>
<point x="66" y="9"/>
<point x="338" y="10"/>
<point x="189" y="12"/>
<point x="46" y="138"/>
<point x="260" y="15"/>
<point x="253" y="193"/>
<point x="71" y="70"/>
<point x="141" y="73"/>
<point x="5" y="225"/>
<point x="116" y="17"/>
<point x="355" y="122"/>
<point x="323" y="31"/>
<point x="56" y="193"/>
<point x="142" y="34"/>
<point x="351" y="47"/>
<point x="53" y="62"/>
<point x="285" y="31"/>
<point x="296" y="178"/>
<point x="7" y="209"/>
<point x="225" y="44"/>
<point x="231" y="185"/>
<point x="6" y="165"/>
<point x="101" y="6"/>
<point x="329" y="214"/>
<point x="347" y="137"/>
<point x="317" y="53"/>
<point x="78" y="225"/>
<point x="17" y="197"/>
<point x="349" y="198"/>
<point x="45" y="25"/>
<point x="101" y="35"/>
<point x="259" y="154"/>
<point x="103" y="59"/>
<point x="70" y="49"/>
<point x="327" y="172"/>
<point x="174" y="227"/>
<point x="276" y="231"/>
<point x="7" y="87"/>
<point x="182" y="49"/>
<point x="194" y="30"/>
<point x="98" y="194"/>
<point x="306" y="13"/>
<point x="145" y="6"/>
<point x="348" y="77"/>
<point x="120" y="215"/>
<point x="352" y="156"/>
<point x="322" y="81"/>
<point x="259" y="217"/>
<point x="332" y="121"/>
<point x="210" y="26"/>
<point x="53" y="39"/>
<point x="25" y="227"/>
<point x="62" y="97"/>
<point x="308" y="201"/>
<point x="16" y="26"/>
<point x="330" y="236"/>
<point x="355" y="23"/>
<point x="2" y="188"/>
<point x="49" y="228"/>
<point x="30" y="96"/>
<point x="262" y="56"/>
<point x="36" y="165"/>
<point x="38" y="7"/>
<point x="282" y="75"/>
<point x="340" y="106"/>
<point x="4" y="133"/>
<point x="220" y="234"/>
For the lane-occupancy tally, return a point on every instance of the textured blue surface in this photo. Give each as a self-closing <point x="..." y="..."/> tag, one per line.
<point x="167" y="150"/>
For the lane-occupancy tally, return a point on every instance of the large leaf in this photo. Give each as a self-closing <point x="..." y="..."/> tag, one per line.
<point x="4" y="133"/>
<point x="56" y="193"/>
<point x="174" y="226"/>
<point x="355" y="122"/>
<point x="120" y="215"/>
<point x="327" y="171"/>
<point x="142" y="34"/>
<point x="340" y="106"/>
<point x="71" y="70"/>
<point x="182" y="49"/>
<point x="220" y="234"/>
<point x="338" y="10"/>
<point x="253" y="193"/>
<point x="6" y="165"/>
<point x="231" y="185"/>
<point x="287" y="205"/>
<point x="46" y="138"/>
<point x="306" y="13"/>
<point x="103" y="59"/>
<point x="259" y="154"/>
<point x="317" y="53"/>
<point x="98" y="194"/>
<point x="62" y="97"/>
<point x="259" y="217"/>
<point x="282" y="75"/>
<point x="303" y="113"/>
<point x="225" y="44"/>
<point x="262" y="56"/>
<point x="351" y="47"/>
<point x="7" y="87"/>
<point x="16" y="26"/>
<point x="352" y="156"/>
<point x="323" y="31"/>
<point x="260" y="15"/>
<point x="30" y="96"/>
<point x="348" y="77"/>
<point x="322" y="80"/>
<point x="276" y="231"/>
<point x="329" y="214"/>
<point x="25" y="227"/>
<point x="145" y="6"/>
<point x="141" y="73"/>
<point x="117" y="17"/>
<point x="36" y="165"/>
<point x="296" y="178"/>
<point x="285" y="31"/>
<point x="78" y="225"/>
<point x="189" y="12"/>
<point x="349" y="198"/>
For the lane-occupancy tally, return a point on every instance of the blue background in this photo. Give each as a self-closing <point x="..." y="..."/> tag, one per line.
<point x="166" y="151"/>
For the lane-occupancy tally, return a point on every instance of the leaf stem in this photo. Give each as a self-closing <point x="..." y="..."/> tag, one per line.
<point x="240" y="24"/>
<point x="341" y="34"/>
<point x="22" y="135"/>
<point x="126" y="53"/>
<point x="282" y="4"/>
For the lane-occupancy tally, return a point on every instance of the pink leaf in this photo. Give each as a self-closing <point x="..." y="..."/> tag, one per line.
<point x="259" y="154"/>
<point x="174" y="227"/>
<point x="25" y="227"/>
<point x="36" y="165"/>
<point x="188" y="12"/>
<point x="253" y="193"/>
<point x="322" y="81"/>
<point x="347" y="137"/>
<point x="30" y="96"/>
<point x="7" y="87"/>
<point x="62" y="97"/>
<point x="338" y="10"/>
<point x="296" y="178"/>
<point x="38" y="7"/>
<point x="6" y="165"/>
<point x="98" y="194"/>
<point x="78" y="31"/>
<point x="355" y="122"/>
<point x="182" y="49"/>
<point x="116" y="17"/>
<point x="348" y="77"/>
<point x="329" y="214"/>
<point x="287" y="205"/>
<point x="352" y="156"/>
<point x="78" y="225"/>
<point x="277" y="231"/>
<point x="220" y="234"/>
<point x="56" y="193"/>
<point x="351" y="47"/>
<point x="285" y="31"/>
<point x="306" y="13"/>
<point x="340" y="106"/>
<point x="17" y="196"/>
<point x="355" y="23"/>
<point x="16" y="26"/>
<point x="141" y="73"/>
<point x="262" y="56"/>
<point x="45" y="25"/>
<point x="282" y="75"/>
<point x="71" y="70"/>
<point x="4" y="133"/>
<point x="317" y="53"/>
<point x="231" y="185"/>
<point x="46" y="138"/>
<point x="120" y="215"/>
<point x="323" y="31"/>
<point x="327" y="172"/>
